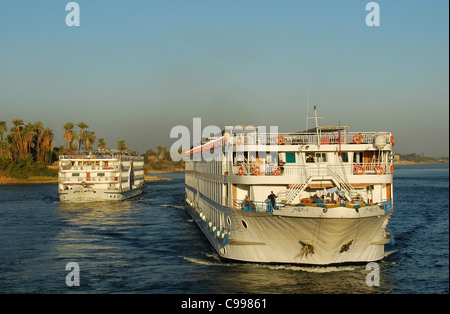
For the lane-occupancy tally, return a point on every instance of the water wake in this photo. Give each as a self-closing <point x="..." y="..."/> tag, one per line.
<point x="174" y="206"/>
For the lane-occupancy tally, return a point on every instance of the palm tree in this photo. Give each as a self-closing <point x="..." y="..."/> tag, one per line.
<point x="73" y="146"/>
<point x="27" y="137"/>
<point x="5" y="150"/>
<point x="68" y="133"/>
<point x="4" y="145"/>
<point x="89" y="139"/>
<point x="16" y="137"/>
<point x="121" y="145"/>
<point x="38" y="128"/>
<point x="47" y="144"/>
<point x="3" y="129"/>
<point x="101" y="143"/>
<point x="82" y="126"/>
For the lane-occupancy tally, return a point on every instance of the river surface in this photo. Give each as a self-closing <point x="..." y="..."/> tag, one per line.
<point x="151" y="245"/>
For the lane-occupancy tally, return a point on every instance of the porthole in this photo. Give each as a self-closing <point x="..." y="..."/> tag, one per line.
<point x="244" y="224"/>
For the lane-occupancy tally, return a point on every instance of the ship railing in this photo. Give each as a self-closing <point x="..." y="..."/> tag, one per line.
<point x="107" y="179"/>
<point x="89" y="168"/>
<point x="316" y="169"/>
<point x="386" y="205"/>
<point x="377" y="168"/>
<point x="255" y="206"/>
<point x="324" y="138"/>
<point x="100" y="156"/>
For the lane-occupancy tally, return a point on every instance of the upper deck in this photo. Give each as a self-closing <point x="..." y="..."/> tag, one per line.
<point x="330" y="157"/>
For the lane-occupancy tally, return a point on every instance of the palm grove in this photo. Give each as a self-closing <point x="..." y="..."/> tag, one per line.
<point x="26" y="148"/>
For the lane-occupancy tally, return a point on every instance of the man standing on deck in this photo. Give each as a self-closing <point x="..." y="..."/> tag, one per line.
<point x="272" y="198"/>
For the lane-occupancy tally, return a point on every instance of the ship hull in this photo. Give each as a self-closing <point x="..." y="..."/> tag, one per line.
<point x="343" y="235"/>
<point x="96" y="195"/>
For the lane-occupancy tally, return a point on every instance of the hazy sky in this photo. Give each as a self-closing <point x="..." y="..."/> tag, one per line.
<point x="135" y="69"/>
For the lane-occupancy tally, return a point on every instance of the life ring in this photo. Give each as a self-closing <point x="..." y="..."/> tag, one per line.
<point x="359" y="170"/>
<point x="357" y="139"/>
<point x="379" y="170"/>
<point x="239" y="140"/>
<point x="392" y="141"/>
<point x="279" y="139"/>
<point x="256" y="171"/>
<point x="276" y="170"/>
<point x="241" y="171"/>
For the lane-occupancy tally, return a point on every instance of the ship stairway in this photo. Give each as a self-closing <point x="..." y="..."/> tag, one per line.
<point x="342" y="182"/>
<point x="297" y="188"/>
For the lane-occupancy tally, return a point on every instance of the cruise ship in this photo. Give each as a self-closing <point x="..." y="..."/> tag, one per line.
<point x="333" y="193"/>
<point x="107" y="175"/>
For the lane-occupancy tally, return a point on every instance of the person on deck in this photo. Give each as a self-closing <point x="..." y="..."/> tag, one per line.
<point x="272" y="198"/>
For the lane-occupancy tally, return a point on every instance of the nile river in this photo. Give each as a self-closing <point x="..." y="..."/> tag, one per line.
<point x="151" y="245"/>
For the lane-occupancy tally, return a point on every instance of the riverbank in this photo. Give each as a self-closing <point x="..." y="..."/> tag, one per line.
<point x="31" y="180"/>
<point x="407" y="162"/>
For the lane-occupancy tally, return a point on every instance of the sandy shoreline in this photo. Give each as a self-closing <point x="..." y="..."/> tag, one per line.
<point x="418" y="163"/>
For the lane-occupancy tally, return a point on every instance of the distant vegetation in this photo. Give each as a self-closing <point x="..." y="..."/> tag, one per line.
<point x="27" y="149"/>
<point x="416" y="158"/>
<point x="160" y="161"/>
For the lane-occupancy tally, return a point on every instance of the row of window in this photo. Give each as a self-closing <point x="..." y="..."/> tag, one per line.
<point x="210" y="188"/>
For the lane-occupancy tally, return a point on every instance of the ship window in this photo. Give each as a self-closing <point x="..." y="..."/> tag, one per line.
<point x="358" y="157"/>
<point x="290" y="158"/>
<point x="100" y="174"/>
<point x="344" y="156"/>
<point x="75" y="174"/>
<point x="321" y="157"/>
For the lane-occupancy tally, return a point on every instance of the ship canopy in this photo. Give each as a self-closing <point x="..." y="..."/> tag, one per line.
<point x="325" y="128"/>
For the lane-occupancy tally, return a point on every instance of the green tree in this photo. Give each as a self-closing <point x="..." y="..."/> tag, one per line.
<point x="89" y="139"/>
<point x="47" y="144"/>
<point x="16" y="138"/>
<point x="82" y="126"/>
<point x="3" y="129"/>
<point x="68" y="134"/>
<point x="121" y="145"/>
<point x="101" y="143"/>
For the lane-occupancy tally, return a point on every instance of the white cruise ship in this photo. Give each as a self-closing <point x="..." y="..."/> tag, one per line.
<point x="100" y="176"/>
<point x="333" y="190"/>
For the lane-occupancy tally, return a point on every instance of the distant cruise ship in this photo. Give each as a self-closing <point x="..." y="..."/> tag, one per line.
<point x="107" y="175"/>
<point x="333" y="189"/>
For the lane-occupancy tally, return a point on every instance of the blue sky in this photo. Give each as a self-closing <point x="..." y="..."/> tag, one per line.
<point x="134" y="69"/>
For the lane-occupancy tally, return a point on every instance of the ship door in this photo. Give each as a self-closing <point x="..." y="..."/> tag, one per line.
<point x="88" y="176"/>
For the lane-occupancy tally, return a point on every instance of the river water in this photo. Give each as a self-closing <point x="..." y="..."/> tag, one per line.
<point x="151" y="245"/>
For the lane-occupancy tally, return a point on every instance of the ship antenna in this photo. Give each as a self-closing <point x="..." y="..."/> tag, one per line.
<point x="307" y="106"/>
<point x="315" y="116"/>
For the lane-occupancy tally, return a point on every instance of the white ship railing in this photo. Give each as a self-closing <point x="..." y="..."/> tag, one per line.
<point x="327" y="138"/>
<point x="88" y="168"/>
<point x="357" y="169"/>
<point x="266" y="206"/>
<point x="100" y="156"/>
<point x="255" y="206"/>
